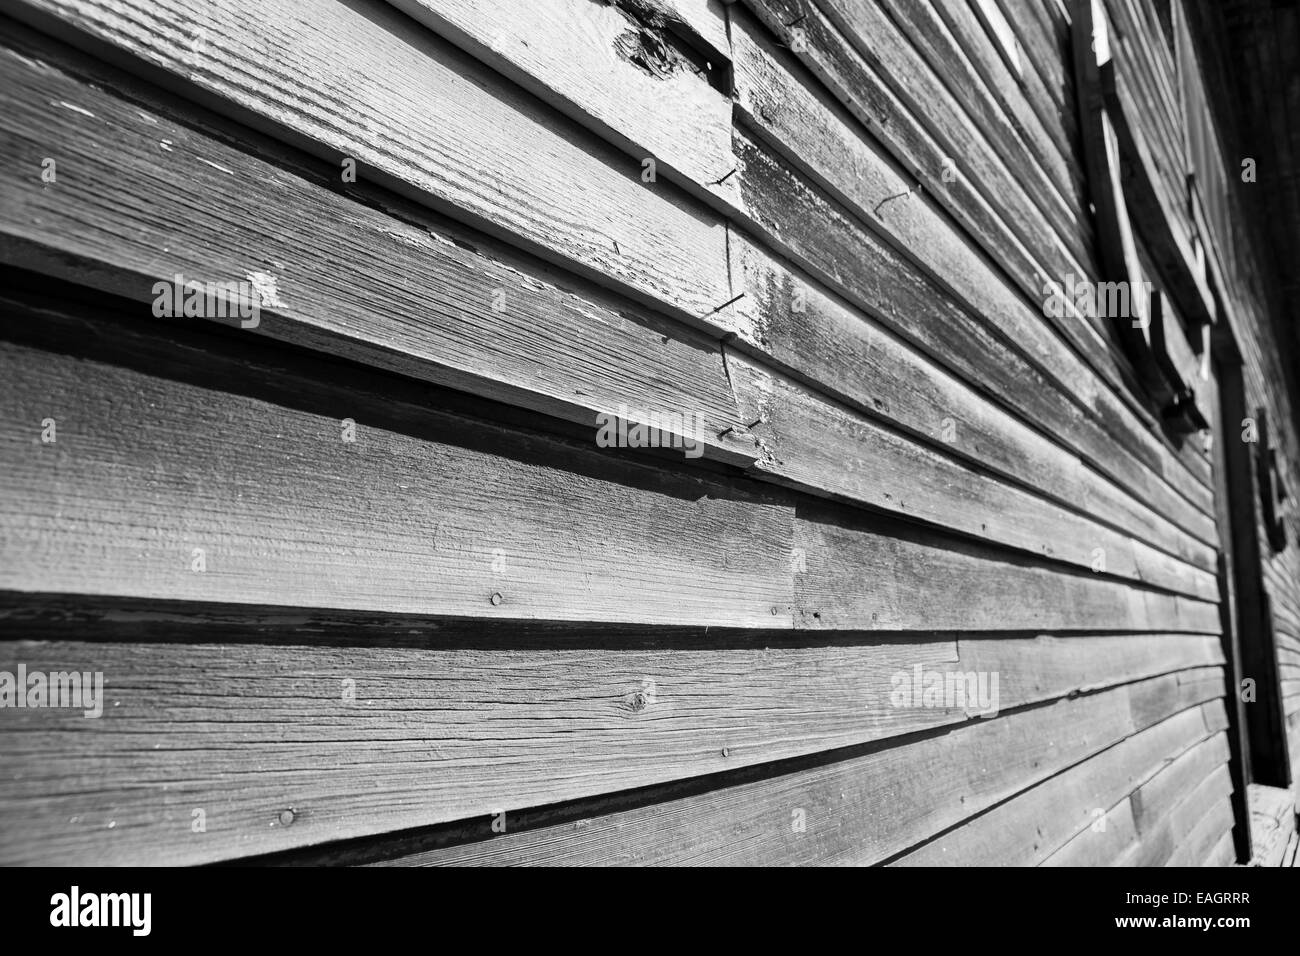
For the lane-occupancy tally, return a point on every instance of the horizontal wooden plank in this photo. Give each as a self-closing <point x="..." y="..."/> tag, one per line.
<point x="1020" y="195"/>
<point x="1157" y="796"/>
<point x="869" y="367"/>
<point x="1272" y="823"/>
<point x="1085" y="664"/>
<point x="1102" y="843"/>
<point x="858" y="809"/>
<point x="1030" y="828"/>
<point x="360" y="739"/>
<point x="874" y="277"/>
<point x="574" y="53"/>
<point x="458" y="720"/>
<point x="422" y="512"/>
<point x="424" y="119"/>
<point x="1124" y="838"/>
<point x="887" y="120"/>
<point x="1044" y="36"/>
<point x="813" y="443"/>
<point x="1224" y="852"/>
<point x="1178" y="835"/>
<point x="823" y="141"/>
<point x="482" y="319"/>
<point x="969" y="62"/>
<point x="857" y="578"/>
<point x="1198" y="843"/>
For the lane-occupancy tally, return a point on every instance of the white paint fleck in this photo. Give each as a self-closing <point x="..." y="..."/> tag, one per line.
<point x="216" y="166"/>
<point x="74" y="108"/>
<point x="265" y="284"/>
<point x="165" y="144"/>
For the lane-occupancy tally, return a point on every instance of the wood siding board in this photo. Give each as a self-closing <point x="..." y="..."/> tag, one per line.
<point x="430" y="734"/>
<point x="405" y="519"/>
<point x="929" y="785"/>
<point x="197" y="208"/>
<point x="818" y="138"/>
<point x="864" y="575"/>
<point x="838" y="251"/>
<point x="861" y="364"/>
<point x="1035" y="825"/>
<point x="572" y="53"/>
<point x="425" y="120"/>
<point x="818" y="445"/>
<point x="1024" y="202"/>
<point x="766" y="210"/>
<point x="1013" y="132"/>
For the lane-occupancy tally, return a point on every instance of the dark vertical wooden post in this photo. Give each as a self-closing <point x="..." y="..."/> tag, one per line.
<point x="1238" y="739"/>
<point x="1265" y="723"/>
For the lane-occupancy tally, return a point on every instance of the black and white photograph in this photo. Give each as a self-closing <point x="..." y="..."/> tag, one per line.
<point x="650" y="433"/>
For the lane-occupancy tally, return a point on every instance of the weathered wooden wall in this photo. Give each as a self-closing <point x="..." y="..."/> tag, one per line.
<point x="472" y="618"/>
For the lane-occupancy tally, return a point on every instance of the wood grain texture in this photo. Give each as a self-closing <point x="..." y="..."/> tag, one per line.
<point x="574" y="53"/>
<point x="1068" y="808"/>
<point x="948" y="37"/>
<point x="929" y="378"/>
<point x="1197" y="843"/>
<point x="1272" y="823"/>
<point x="822" y="140"/>
<point x="424" y="119"/>
<point x="858" y="577"/>
<point x="419" y="295"/>
<point x="856" y="810"/>
<point x="825" y="54"/>
<point x="1045" y="118"/>
<point x="1185" y="831"/>
<point x="360" y="740"/>
<point x="410" y="517"/>
<point x="873" y="276"/>
<point x="1023" y="198"/>
<point x="812" y="443"/>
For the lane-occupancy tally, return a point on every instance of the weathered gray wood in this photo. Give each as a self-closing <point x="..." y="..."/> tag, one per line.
<point x="861" y="577"/>
<point x="1162" y="792"/>
<point x="822" y="139"/>
<point x="1101" y="844"/>
<point x="1043" y="33"/>
<point x="419" y="295"/>
<point x="781" y="116"/>
<point x="1272" y="823"/>
<point x="812" y="443"/>
<point x="1184" y="832"/>
<point x="999" y="111"/>
<point x="822" y="339"/>
<point x="1196" y="843"/>
<point x="1043" y="117"/>
<point x="424" y="119"/>
<point x="413" y="516"/>
<point x="1069" y="807"/>
<point x="1223" y="853"/>
<point x="873" y="276"/>
<point x="574" y="53"/>
<point x="858" y="810"/>
<point x="1022" y="200"/>
<point x="359" y="740"/>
